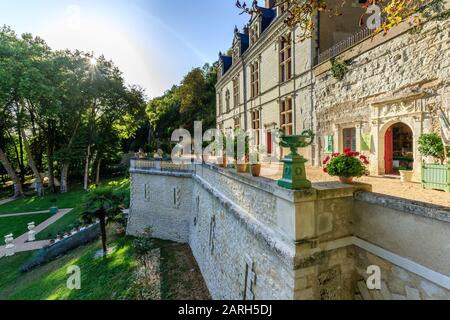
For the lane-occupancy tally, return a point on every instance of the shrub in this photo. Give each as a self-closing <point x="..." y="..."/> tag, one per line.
<point x="349" y="164"/>
<point x="431" y="145"/>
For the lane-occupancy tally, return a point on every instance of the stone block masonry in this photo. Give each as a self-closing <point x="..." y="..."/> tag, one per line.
<point x="255" y="240"/>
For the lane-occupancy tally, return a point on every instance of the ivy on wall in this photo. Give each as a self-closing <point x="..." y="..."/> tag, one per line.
<point x="339" y="68"/>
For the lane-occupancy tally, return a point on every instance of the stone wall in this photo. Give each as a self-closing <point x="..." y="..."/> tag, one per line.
<point x="255" y="240"/>
<point x="162" y="202"/>
<point x="401" y="77"/>
<point x="409" y="241"/>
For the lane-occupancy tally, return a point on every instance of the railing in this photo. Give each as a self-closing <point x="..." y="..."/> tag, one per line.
<point x="159" y="165"/>
<point x="340" y="47"/>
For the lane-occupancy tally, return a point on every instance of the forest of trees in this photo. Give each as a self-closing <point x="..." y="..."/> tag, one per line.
<point x="66" y="114"/>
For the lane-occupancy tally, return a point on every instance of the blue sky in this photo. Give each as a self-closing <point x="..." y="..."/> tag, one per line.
<point x="154" y="42"/>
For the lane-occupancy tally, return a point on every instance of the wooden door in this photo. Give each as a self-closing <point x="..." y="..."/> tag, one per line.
<point x="389" y="152"/>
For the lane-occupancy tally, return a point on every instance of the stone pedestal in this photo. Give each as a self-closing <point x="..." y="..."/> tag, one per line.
<point x="10" y="247"/>
<point x="294" y="173"/>
<point x="31" y="232"/>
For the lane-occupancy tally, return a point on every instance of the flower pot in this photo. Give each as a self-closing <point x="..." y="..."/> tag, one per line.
<point x="224" y="162"/>
<point x="346" y="180"/>
<point x="256" y="170"/>
<point x="241" y="168"/>
<point x="406" y="175"/>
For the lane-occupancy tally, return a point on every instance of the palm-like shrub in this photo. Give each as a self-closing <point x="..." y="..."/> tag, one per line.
<point x="104" y="205"/>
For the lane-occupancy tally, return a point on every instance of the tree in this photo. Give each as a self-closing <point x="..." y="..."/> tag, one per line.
<point x="102" y="204"/>
<point x="431" y="145"/>
<point x="302" y="13"/>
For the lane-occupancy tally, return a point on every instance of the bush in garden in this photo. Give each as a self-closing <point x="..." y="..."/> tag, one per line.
<point x="349" y="164"/>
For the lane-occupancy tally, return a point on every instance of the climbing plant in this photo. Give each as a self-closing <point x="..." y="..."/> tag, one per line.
<point x="339" y="68"/>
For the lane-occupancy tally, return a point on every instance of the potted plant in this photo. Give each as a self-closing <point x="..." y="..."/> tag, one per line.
<point x="346" y="166"/>
<point x="255" y="160"/>
<point x="241" y="160"/>
<point x="434" y="175"/>
<point x="406" y="174"/>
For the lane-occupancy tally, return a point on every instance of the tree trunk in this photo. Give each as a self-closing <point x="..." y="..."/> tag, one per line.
<point x="64" y="177"/>
<point x="18" y="190"/>
<point x="86" y="168"/>
<point x="37" y="175"/>
<point x="97" y="176"/>
<point x="103" y="231"/>
<point x="50" y="168"/>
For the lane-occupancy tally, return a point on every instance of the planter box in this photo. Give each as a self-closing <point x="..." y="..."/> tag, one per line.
<point x="436" y="176"/>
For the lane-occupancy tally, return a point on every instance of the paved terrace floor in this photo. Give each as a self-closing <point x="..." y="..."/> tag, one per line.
<point x="384" y="185"/>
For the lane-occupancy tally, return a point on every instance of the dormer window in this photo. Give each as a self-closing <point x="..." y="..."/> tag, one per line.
<point x="254" y="33"/>
<point x="236" y="54"/>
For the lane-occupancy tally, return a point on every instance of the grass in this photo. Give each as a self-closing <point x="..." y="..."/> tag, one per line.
<point x="19" y="225"/>
<point x="65" y="224"/>
<point x="101" y="279"/>
<point x="31" y="204"/>
<point x="72" y="199"/>
<point x="10" y="268"/>
<point x="112" y="278"/>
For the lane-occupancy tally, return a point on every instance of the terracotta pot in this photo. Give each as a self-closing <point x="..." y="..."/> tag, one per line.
<point x="224" y="162"/>
<point x="346" y="180"/>
<point x="241" y="168"/>
<point x="256" y="170"/>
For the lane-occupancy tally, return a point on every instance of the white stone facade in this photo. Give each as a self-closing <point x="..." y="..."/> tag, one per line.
<point x="398" y="78"/>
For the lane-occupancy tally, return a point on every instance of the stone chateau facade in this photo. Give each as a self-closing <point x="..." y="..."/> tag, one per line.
<point x="393" y="91"/>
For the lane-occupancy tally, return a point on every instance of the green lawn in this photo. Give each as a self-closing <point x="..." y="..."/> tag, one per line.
<point x="72" y="199"/>
<point x="19" y="225"/>
<point x="65" y="224"/>
<point x="31" y="204"/>
<point x="101" y="279"/>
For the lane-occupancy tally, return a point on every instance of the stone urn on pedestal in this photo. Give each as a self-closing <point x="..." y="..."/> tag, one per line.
<point x="294" y="172"/>
<point x="10" y="247"/>
<point x="31" y="232"/>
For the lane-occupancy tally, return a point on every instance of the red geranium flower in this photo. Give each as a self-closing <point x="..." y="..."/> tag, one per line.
<point x="327" y="159"/>
<point x="325" y="170"/>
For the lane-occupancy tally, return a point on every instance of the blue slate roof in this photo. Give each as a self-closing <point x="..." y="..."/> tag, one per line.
<point x="227" y="62"/>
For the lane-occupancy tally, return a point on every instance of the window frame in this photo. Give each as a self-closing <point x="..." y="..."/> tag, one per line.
<point x="236" y="93"/>
<point x="254" y="79"/>
<point x="285" y="58"/>
<point x="287" y="112"/>
<point x="256" y="125"/>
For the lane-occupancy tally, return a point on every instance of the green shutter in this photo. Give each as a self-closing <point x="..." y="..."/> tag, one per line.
<point x="365" y="142"/>
<point x="329" y="144"/>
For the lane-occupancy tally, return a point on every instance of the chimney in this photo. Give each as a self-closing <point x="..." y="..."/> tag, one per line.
<point x="270" y="4"/>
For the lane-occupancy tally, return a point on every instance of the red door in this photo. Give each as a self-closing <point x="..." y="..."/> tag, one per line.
<point x="269" y="142"/>
<point x="389" y="152"/>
